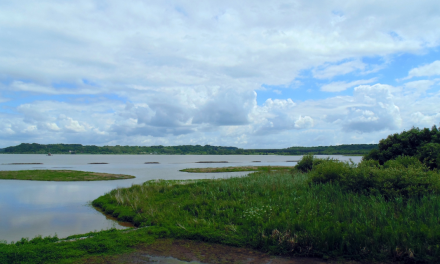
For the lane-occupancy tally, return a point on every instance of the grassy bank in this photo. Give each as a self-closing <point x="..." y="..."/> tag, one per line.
<point x="237" y="169"/>
<point x="54" y="250"/>
<point x="60" y="175"/>
<point x="284" y="212"/>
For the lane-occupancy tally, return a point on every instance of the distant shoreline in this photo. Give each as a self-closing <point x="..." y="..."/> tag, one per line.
<point x="77" y="149"/>
<point x="66" y="154"/>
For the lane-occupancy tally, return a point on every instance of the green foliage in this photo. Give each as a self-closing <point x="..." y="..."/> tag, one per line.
<point x="394" y="179"/>
<point x="402" y="177"/>
<point x="34" y="148"/>
<point x="54" y="250"/>
<point x="305" y="164"/>
<point x="429" y="154"/>
<point x="423" y="144"/>
<point x="404" y="162"/>
<point x="273" y="211"/>
<point x="236" y="169"/>
<point x="352" y="149"/>
<point x="283" y="213"/>
<point x="60" y="175"/>
<point x="329" y="171"/>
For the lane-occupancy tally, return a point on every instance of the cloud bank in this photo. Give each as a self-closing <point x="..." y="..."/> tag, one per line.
<point x="251" y="74"/>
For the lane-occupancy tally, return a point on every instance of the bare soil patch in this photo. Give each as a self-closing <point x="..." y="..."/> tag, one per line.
<point x="173" y="250"/>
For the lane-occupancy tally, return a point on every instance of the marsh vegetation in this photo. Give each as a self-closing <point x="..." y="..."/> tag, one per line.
<point x="60" y="175"/>
<point x="236" y="169"/>
<point x="292" y="213"/>
<point x="385" y="208"/>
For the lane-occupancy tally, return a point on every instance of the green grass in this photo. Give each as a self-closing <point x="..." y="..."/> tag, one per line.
<point x="54" y="250"/>
<point x="236" y="169"/>
<point x="284" y="213"/>
<point x="60" y="175"/>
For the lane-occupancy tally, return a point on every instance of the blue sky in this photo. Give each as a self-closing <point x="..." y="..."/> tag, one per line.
<point x="251" y="74"/>
<point x="391" y="71"/>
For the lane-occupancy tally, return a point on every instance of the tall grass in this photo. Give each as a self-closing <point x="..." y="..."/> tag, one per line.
<point x="54" y="250"/>
<point x="284" y="213"/>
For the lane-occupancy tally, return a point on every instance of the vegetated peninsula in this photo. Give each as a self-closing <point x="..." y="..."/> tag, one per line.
<point x="60" y="175"/>
<point x="386" y="208"/>
<point x="34" y="148"/>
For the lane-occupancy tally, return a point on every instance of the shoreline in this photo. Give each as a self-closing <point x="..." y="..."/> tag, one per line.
<point x="60" y="175"/>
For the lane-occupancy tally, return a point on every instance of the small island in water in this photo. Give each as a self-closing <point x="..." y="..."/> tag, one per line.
<point x="60" y="175"/>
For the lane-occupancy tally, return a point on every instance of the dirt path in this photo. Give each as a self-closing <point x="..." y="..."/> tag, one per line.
<point x="186" y="251"/>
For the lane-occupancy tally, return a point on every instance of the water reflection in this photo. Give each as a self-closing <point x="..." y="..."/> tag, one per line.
<point x="30" y="208"/>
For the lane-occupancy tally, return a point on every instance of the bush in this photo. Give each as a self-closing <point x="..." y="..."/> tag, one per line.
<point x="404" y="162"/>
<point x="308" y="162"/>
<point x="329" y="171"/>
<point x="363" y="179"/>
<point x="429" y="154"/>
<point x="368" y="163"/>
<point x="408" y="182"/>
<point x="305" y="164"/>
<point x="404" y="176"/>
<point x="424" y="144"/>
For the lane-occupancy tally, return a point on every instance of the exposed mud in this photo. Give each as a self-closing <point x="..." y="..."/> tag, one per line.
<point x="187" y="251"/>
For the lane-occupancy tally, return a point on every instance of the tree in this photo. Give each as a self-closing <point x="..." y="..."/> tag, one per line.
<point x="423" y="144"/>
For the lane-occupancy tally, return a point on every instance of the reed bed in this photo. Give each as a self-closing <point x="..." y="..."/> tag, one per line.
<point x="283" y="212"/>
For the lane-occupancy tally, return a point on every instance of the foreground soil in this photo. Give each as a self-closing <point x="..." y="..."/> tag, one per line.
<point x="60" y="175"/>
<point x="188" y="251"/>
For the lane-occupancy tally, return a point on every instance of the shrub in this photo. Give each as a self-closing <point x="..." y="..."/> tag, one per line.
<point x="368" y="163"/>
<point x="363" y="179"/>
<point x="429" y="154"/>
<point x="416" y="142"/>
<point x="404" y="176"/>
<point x="407" y="182"/>
<point x="329" y="171"/>
<point x="305" y="164"/>
<point x="404" y="162"/>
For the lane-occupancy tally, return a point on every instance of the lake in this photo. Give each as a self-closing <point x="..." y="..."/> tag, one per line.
<point x="31" y="208"/>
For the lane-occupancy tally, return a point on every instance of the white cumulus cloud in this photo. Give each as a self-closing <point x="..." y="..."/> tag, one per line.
<point x="342" y="86"/>
<point x="431" y="69"/>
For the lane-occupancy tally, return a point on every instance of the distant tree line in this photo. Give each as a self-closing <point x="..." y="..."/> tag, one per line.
<point x="34" y="148"/>
<point x="353" y="149"/>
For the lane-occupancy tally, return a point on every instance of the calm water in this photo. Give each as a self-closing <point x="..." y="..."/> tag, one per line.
<point x="30" y="208"/>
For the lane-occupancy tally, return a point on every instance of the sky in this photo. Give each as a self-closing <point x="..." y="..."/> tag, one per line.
<point x="250" y="73"/>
